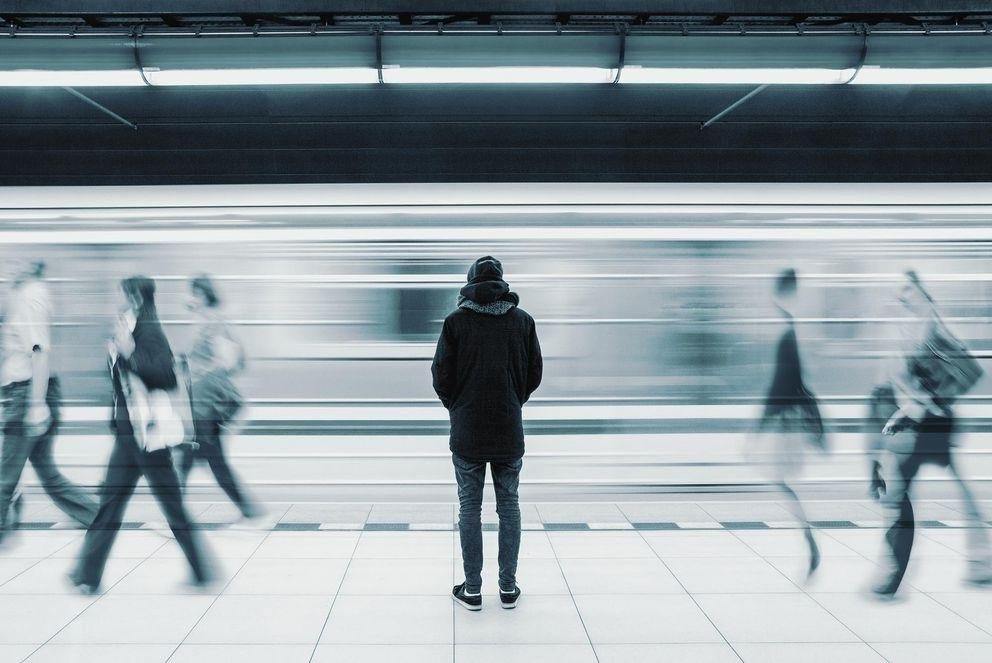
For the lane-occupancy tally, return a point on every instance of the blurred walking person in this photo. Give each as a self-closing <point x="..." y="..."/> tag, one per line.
<point x="145" y="425"/>
<point x="487" y="364"/>
<point x="215" y="357"/>
<point x="790" y="425"/>
<point x="932" y="370"/>
<point x="31" y="398"/>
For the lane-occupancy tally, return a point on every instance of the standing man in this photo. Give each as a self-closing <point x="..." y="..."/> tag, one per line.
<point x="31" y="402"/>
<point x="487" y="364"/>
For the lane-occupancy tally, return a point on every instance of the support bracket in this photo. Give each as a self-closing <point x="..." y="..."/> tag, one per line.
<point x="731" y="107"/>
<point x="100" y="107"/>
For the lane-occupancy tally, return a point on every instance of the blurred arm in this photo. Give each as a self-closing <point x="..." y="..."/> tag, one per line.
<point x="535" y="367"/>
<point x="444" y="366"/>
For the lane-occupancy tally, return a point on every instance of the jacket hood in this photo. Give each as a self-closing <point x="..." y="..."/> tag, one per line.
<point x="485" y="281"/>
<point x="500" y="306"/>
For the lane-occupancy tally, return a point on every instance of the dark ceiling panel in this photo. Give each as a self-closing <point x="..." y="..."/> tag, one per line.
<point x="581" y="133"/>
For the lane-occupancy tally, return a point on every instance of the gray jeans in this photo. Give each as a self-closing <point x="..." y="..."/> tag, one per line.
<point x="471" y="478"/>
<point x="19" y="447"/>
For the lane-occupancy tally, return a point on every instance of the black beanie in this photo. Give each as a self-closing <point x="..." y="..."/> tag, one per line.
<point x="486" y="268"/>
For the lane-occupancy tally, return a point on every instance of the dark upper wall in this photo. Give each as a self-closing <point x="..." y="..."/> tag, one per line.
<point x="581" y="133"/>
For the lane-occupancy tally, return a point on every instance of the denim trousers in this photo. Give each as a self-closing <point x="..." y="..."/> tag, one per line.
<point x="471" y="478"/>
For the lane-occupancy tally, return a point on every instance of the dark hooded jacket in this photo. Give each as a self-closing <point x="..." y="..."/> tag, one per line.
<point x="487" y="364"/>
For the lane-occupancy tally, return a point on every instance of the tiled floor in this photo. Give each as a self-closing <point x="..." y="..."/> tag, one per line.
<point x="599" y="595"/>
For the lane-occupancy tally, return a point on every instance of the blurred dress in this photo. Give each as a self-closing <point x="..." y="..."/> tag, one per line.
<point x="791" y="420"/>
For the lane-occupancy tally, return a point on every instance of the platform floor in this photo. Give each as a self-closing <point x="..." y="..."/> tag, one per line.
<point x="360" y="587"/>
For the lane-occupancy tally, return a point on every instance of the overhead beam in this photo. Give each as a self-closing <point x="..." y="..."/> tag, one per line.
<point x="445" y="7"/>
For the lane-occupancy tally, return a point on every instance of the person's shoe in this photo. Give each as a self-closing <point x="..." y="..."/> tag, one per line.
<point x="16" y="509"/>
<point x="979" y="574"/>
<point x="509" y="599"/>
<point x="885" y="591"/>
<point x="814" y="559"/>
<point x="83" y="588"/>
<point x="469" y="601"/>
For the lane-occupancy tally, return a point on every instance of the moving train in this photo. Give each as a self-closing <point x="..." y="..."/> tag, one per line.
<point x="653" y="304"/>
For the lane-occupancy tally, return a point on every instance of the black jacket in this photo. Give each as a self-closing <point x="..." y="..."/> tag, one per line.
<point x="487" y="364"/>
<point x="152" y="361"/>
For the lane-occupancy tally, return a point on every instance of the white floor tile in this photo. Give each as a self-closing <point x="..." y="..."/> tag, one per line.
<point x="937" y="574"/>
<point x="221" y="544"/>
<point x="49" y="576"/>
<point x="614" y="545"/>
<point x="619" y="576"/>
<point x="34" y="619"/>
<point x="729" y="575"/>
<point x="523" y="653"/>
<point x="643" y="619"/>
<point x="818" y="652"/>
<point x="15" y="653"/>
<point x="917" y="652"/>
<point x="172" y="576"/>
<point x="916" y="616"/>
<point x="262" y="620"/>
<point x="11" y="567"/>
<point x="319" y="577"/>
<point x="405" y="544"/>
<point x="188" y="653"/>
<point x="835" y="574"/>
<point x="535" y="620"/>
<point x="293" y="545"/>
<point x="772" y="618"/>
<point x="871" y="544"/>
<point x="35" y="544"/>
<point x="974" y="605"/>
<point x="105" y="653"/>
<point x="129" y="544"/>
<point x="696" y="653"/>
<point x="382" y="653"/>
<point x="403" y="577"/>
<point x="792" y="542"/>
<point x="135" y="620"/>
<point x="697" y="544"/>
<point x="390" y="620"/>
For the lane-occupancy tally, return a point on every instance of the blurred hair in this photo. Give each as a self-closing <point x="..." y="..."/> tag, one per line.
<point x="37" y="268"/>
<point x="203" y="285"/>
<point x="140" y="287"/>
<point x="914" y="278"/>
<point x="786" y="282"/>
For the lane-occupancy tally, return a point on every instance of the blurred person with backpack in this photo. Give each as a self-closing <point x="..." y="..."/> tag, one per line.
<point x="933" y="369"/>
<point x="147" y="421"/>
<point x="213" y="360"/>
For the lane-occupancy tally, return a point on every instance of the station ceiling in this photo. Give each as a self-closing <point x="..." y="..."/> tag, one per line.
<point x="478" y="133"/>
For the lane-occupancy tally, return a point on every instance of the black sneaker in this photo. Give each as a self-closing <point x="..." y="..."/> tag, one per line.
<point x="509" y="599"/>
<point x="468" y="601"/>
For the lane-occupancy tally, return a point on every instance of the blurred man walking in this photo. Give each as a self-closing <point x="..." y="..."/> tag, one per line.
<point x="487" y="364"/>
<point x="31" y="402"/>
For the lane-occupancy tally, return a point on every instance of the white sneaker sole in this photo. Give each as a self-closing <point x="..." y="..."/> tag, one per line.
<point x="467" y="606"/>
<point x="508" y="606"/>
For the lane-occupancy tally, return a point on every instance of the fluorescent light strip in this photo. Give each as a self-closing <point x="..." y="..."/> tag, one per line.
<point x="731" y="76"/>
<point x="924" y="76"/>
<point x="520" y="233"/>
<point x="70" y="78"/>
<point x="630" y="75"/>
<point x="264" y="76"/>
<point x="498" y="75"/>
